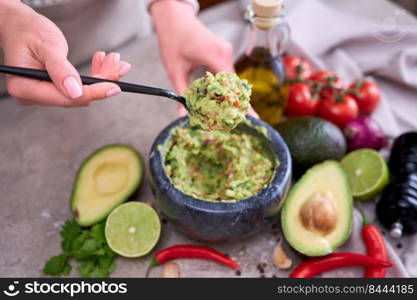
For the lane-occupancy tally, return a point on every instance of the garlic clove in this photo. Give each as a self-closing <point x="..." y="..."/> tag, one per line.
<point x="171" y="270"/>
<point x="280" y="258"/>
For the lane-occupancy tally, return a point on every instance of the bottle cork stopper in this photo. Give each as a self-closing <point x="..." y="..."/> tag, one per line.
<point x="267" y="8"/>
<point x="267" y="13"/>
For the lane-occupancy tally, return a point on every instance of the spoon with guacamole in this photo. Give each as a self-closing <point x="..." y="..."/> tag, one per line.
<point x="215" y="102"/>
<point x="218" y="102"/>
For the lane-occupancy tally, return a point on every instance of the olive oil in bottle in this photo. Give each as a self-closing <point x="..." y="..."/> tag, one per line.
<point x="261" y="64"/>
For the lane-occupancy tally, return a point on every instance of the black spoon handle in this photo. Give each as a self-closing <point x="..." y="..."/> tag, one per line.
<point x="124" y="86"/>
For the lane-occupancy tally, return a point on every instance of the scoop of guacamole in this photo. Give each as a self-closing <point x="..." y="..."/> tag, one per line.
<point x="217" y="166"/>
<point x="218" y="102"/>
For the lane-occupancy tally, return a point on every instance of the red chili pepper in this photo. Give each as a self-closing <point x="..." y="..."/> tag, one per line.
<point x="236" y="104"/>
<point x="315" y="266"/>
<point x="191" y="251"/>
<point x="375" y="247"/>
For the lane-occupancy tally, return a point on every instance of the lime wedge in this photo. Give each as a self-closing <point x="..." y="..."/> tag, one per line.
<point x="132" y="229"/>
<point x="367" y="173"/>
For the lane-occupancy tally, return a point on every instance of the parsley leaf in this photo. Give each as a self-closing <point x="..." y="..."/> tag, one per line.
<point x="105" y="262"/>
<point x="87" y="245"/>
<point x="57" y="265"/>
<point x="70" y="229"/>
<point x="97" y="232"/>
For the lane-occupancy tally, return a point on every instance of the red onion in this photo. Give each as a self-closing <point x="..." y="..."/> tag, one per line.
<point x="363" y="132"/>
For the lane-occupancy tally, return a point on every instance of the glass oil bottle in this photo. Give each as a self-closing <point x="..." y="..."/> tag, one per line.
<point x="261" y="63"/>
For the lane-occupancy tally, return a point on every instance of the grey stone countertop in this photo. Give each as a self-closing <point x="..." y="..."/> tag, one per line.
<point x="41" y="149"/>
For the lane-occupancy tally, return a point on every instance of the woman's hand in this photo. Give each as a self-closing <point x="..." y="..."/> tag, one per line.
<point x="185" y="43"/>
<point x="31" y="40"/>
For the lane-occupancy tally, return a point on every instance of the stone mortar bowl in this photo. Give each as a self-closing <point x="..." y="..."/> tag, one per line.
<point x="221" y="221"/>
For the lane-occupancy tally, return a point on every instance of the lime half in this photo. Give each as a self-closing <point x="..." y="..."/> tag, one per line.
<point x="132" y="229"/>
<point x="367" y="173"/>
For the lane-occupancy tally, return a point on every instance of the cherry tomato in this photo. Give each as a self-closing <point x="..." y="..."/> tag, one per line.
<point x="327" y="76"/>
<point x="300" y="102"/>
<point x="291" y="63"/>
<point x="368" y="96"/>
<point x="338" y="111"/>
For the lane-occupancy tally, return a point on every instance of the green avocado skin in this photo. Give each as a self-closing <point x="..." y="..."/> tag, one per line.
<point x="311" y="140"/>
<point x="128" y="194"/>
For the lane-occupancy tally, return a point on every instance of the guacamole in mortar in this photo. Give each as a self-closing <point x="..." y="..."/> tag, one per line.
<point x="218" y="102"/>
<point x="217" y="166"/>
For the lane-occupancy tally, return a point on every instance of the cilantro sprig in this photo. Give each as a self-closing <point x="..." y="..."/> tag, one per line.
<point x="86" y="245"/>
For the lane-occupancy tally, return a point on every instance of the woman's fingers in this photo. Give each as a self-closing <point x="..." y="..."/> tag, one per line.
<point x="113" y="72"/>
<point x="217" y="54"/>
<point x="39" y="92"/>
<point x="46" y="93"/>
<point x="178" y="72"/>
<point x="110" y="60"/>
<point x="180" y="82"/>
<point x="109" y="67"/>
<point x="63" y="74"/>
<point x="100" y="91"/>
<point x="69" y="93"/>
<point x="97" y="61"/>
<point x="124" y="68"/>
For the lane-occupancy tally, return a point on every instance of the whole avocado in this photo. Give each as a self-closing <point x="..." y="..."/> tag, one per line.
<point x="311" y="140"/>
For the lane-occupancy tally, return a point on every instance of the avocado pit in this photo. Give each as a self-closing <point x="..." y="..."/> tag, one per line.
<point x="318" y="214"/>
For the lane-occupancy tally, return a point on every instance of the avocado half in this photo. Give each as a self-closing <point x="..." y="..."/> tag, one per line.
<point x="317" y="217"/>
<point x="106" y="178"/>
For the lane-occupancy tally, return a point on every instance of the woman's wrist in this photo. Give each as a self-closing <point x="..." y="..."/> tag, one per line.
<point x="164" y="12"/>
<point x="173" y="3"/>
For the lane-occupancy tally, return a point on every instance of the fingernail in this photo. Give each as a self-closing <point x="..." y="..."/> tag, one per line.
<point x="73" y="87"/>
<point x="116" y="57"/>
<point x="124" y="69"/>
<point x="113" y="92"/>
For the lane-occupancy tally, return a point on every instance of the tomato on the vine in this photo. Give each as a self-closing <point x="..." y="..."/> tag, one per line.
<point x="339" y="109"/>
<point x="300" y="101"/>
<point x="368" y="95"/>
<point x="292" y="64"/>
<point x="329" y="77"/>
